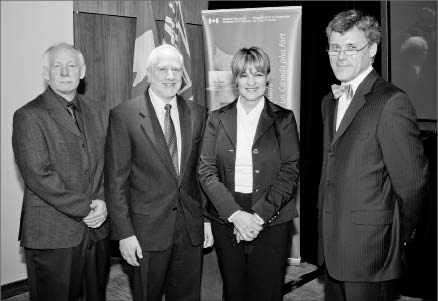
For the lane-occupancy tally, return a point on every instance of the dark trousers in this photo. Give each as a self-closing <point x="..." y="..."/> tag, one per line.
<point x="175" y="272"/>
<point x="252" y="270"/>
<point x="78" y="273"/>
<point x="359" y="291"/>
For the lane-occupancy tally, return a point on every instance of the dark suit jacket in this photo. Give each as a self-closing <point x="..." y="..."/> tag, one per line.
<point x="275" y="158"/>
<point x="141" y="185"/>
<point x="62" y="170"/>
<point x="372" y="185"/>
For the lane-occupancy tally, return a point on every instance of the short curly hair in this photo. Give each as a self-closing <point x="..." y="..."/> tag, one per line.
<point x="346" y="20"/>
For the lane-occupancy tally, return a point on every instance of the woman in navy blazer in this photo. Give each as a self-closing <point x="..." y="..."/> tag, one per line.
<point x="249" y="172"/>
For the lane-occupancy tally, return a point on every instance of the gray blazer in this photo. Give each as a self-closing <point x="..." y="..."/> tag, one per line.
<point x="62" y="170"/>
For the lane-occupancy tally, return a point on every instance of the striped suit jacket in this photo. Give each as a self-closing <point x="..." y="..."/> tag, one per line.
<point x="373" y="181"/>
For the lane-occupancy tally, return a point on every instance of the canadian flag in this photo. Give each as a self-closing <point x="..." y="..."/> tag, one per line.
<point x="145" y="42"/>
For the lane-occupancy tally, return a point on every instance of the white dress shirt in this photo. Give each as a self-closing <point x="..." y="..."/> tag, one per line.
<point x="246" y="129"/>
<point x="158" y="105"/>
<point x="343" y="102"/>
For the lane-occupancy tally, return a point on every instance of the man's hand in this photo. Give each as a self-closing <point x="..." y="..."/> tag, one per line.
<point x="97" y="215"/>
<point x="208" y="236"/>
<point x="248" y="225"/>
<point x="259" y="219"/>
<point x="236" y="233"/>
<point x="130" y="249"/>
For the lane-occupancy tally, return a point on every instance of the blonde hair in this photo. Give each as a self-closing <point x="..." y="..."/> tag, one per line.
<point x="250" y="57"/>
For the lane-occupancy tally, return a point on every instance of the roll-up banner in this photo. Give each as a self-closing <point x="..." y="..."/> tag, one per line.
<point x="277" y="30"/>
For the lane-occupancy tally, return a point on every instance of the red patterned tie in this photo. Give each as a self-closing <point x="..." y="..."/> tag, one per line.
<point x="339" y="90"/>
<point x="170" y="135"/>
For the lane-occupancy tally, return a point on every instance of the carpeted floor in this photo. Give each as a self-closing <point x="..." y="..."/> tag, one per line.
<point x="302" y="283"/>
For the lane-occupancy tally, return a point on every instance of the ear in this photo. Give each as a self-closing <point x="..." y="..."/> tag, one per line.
<point x="268" y="77"/>
<point x="83" y="69"/>
<point x="373" y="50"/>
<point x="148" y="74"/>
<point x="46" y="73"/>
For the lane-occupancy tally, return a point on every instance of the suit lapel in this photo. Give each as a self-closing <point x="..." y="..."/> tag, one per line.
<point x="332" y="106"/>
<point x="266" y="120"/>
<point x="229" y="122"/>
<point x="58" y="112"/>
<point x="356" y="104"/>
<point x="186" y="127"/>
<point x="151" y="128"/>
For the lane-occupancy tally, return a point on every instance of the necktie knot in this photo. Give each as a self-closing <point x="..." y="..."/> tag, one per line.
<point x="71" y="110"/>
<point x="168" y="107"/>
<point x="338" y="90"/>
<point x="71" y="106"/>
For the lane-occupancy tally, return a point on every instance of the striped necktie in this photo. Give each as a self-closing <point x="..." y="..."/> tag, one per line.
<point x="71" y="108"/>
<point x="170" y="135"/>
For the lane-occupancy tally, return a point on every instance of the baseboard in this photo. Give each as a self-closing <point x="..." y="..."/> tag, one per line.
<point x="14" y="288"/>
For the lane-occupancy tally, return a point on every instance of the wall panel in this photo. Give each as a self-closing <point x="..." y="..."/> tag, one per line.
<point x="116" y="8"/>
<point x="191" y="8"/>
<point x="108" y="46"/>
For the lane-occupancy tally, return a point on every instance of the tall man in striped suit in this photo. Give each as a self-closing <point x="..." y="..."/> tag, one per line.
<point x="374" y="173"/>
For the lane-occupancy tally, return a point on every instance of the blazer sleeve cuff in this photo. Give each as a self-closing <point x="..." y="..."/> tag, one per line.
<point x="118" y="233"/>
<point x="227" y="211"/>
<point x="264" y="210"/>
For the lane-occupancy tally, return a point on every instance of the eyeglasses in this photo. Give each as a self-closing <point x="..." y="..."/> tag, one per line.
<point x="163" y="71"/>
<point x="350" y="51"/>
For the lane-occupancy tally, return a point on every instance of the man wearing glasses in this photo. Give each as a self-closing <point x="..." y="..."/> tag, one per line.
<point x="153" y="194"/>
<point x="374" y="173"/>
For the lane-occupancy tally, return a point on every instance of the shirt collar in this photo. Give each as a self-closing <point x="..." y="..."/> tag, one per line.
<point x="256" y="111"/>
<point x="64" y="101"/>
<point x="158" y="103"/>
<point x="358" y="79"/>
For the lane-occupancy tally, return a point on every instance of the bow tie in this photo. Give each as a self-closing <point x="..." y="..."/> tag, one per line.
<point x="339" y="90"/>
